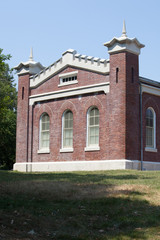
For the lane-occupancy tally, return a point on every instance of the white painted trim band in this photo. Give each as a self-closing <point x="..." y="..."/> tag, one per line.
<point x="102" y="87"/>
<point x="150" y="89"/>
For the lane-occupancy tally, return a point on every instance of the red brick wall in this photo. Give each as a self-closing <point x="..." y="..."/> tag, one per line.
<point x="79" y="107"/>
<point x="153" y="102"/>
<point x="84" y="78"/>
<point x="132" y="108"/>
<point x="22" y="119"/>
<point x="124" y="107"/>
<point x="117" y="107"/>
<point x="119" y="115"/>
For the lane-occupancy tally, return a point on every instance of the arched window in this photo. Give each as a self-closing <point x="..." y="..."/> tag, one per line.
<point x="150" y="128"/>
<point x="93" y="127"/>
<point x="44" y="131"/>
<point x="67" y="130"/>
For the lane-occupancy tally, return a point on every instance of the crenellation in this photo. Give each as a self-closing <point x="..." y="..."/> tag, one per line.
<point x="71" y="58"/>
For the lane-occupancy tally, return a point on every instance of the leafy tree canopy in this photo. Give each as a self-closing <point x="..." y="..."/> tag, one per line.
<point x="8" y="102"/>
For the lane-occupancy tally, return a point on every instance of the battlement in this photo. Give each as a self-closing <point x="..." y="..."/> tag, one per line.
<point x="71" y="58"/>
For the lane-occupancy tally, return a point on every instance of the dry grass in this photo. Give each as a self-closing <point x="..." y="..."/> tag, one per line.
<point x="72" y="191"/>
<point x="82" y="206"/>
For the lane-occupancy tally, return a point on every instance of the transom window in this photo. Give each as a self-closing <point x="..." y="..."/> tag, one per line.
<point x="150" y="128"/>
<point x="68" y="79"/>
<point x="68" y="129"/>
<point x="93" y="127"/>
<point x="44" y="131"/>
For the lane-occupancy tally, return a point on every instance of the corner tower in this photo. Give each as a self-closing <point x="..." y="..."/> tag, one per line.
<point x="24" y="71"/>
<point x="124" y="97"/>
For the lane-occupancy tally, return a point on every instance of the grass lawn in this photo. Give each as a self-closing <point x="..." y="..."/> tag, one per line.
<point x="80" y="205"/>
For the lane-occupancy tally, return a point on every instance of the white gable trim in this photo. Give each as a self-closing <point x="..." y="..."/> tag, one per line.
<point x="102" y="87"/>
<point x="150" y="89"/>
<point x="71" y="58"/>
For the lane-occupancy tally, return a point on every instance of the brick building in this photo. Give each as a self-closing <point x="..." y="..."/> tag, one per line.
<point x="86" y="113"/>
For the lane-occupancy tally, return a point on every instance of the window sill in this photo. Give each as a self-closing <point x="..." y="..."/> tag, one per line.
<point x="90" y="149"/>
<point x="147" y="149"/>
<point x="63" y="150"/>
<point x="67" y="83"/>
<point x="43" y="151"/>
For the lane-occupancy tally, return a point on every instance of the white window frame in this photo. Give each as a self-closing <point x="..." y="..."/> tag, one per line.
<point x="94" y="147"/>
<point x="65" y="149"/>
<point x="153" y="148"/>
<point x="42" y="149"/>
<point x="67" y="75"/>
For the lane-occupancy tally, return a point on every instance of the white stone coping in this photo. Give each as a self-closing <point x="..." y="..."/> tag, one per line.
<point x="147" y="149"/>
<point x="89" y="149"/>
<point x="65" y="150"/>
<point x="71" y="58"/>
<point x="104" y="87"/>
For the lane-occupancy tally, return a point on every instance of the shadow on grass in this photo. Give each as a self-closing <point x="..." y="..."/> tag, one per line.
<point x="76" y="177"/>
<point x="81" y="206"/>
<point x="98" y="219"/>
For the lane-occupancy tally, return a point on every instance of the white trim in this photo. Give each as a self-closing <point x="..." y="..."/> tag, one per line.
<point x="65" y="150"/>
<point x="150" y="89"/>
<point x="92" y="148"/>
<point x="147" y="149"/>
<point x="104" y="87"/>
<point x="43" y="150"/>
<point x="67" y="83"/>
<point x="154" y="128"/>
<point x="47" y="150"/>
<point x="70" y="58"/>
<point x="69" y="74"/>
<point x="124" y="43"/>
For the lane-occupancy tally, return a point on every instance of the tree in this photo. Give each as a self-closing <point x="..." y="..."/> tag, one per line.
<point x="8" y="102"/>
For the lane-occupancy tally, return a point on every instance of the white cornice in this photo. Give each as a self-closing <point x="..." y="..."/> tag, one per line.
<point x="71" y="58"/>
<point x="150" y="89"/>
<point x="124" y="43"/>
<point x="101" y="87"/>
<point x="30" y="67"/>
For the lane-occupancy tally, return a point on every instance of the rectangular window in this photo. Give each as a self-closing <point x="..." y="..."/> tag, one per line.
<point x="68" y="78"/>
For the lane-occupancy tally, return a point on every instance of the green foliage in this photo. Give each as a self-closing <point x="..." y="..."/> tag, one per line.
<point x="8" y="102"/>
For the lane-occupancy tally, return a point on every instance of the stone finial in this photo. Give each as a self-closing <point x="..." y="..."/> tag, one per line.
<point x="124" y="30"/>
<point x="31" y="55"/>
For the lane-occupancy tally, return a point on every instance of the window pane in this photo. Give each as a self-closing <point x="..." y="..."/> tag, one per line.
<point x="96" y="120"/>
<point x="150" y="128"/>
<point x="91" y="121"/>
<point x="93" y="127"/>
<point x="68" y="129"/>
<point x="44" y="135"/>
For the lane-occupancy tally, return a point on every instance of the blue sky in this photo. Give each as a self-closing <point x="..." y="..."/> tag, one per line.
<point x="51" y="27"/>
